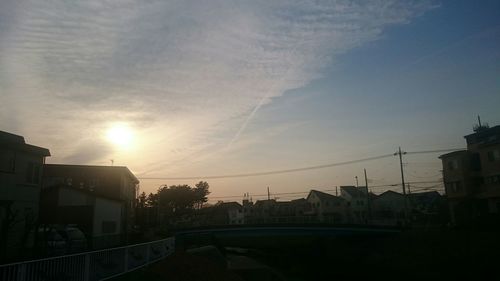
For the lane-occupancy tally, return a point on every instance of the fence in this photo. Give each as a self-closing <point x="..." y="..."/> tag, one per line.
<point x="89" y="266"/>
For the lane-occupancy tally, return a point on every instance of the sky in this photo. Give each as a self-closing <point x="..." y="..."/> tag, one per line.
<point x="199" y="88"/>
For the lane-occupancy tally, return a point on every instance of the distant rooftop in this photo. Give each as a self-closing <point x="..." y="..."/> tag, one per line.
<point x="95" y="167"/>
<point x="484" y="135"/>
<point x="324" y="196"/>
<point x="354" y="191"/>
<point x="16" y="142"/>
<point x="451" y="154"/>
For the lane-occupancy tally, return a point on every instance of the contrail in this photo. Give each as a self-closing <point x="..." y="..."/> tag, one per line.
<point x="264" y="98"/>
<point x="247" y="120"/>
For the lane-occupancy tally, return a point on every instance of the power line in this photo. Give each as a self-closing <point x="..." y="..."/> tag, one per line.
<point x="265" y="195"/>
<point x="435" y="151"/>
<point x="325" y="190"/>
<point x="270" y="172"/>
<point x="293" y="170"/>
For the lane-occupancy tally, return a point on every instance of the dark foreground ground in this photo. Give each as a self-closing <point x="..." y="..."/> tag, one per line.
<point x="403" y="255"/>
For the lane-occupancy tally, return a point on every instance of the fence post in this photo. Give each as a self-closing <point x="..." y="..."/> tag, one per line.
<point x="21" y="272"/>
<point x="86" y="272"/>
<point x="126" y="259"/>
<point x="148" y="246"/>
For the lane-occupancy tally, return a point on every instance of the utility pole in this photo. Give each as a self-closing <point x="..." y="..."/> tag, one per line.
<point x="400" y="153"/>
<point x="268" y="194"/>
<point x="357" y="184"/>
<point x="336" y="191"/>
<point x="408" y="186"/>
<point x="368" y="204"/>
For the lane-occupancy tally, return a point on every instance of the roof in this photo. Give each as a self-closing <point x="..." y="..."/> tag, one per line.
<point x="15" y="142"/>
<point x="390" y="192"/>
<point x="354" y="191"/>
<point x="485" y="132"/>
<point x="123" y="168"/>
<point x="452" y="154"/>
<point x="299" y="201"/>
<point x="230" y="205"/>
<point x="263" y="202"/>
<point x="323" y="196"/>
<point x="427" y="195"/>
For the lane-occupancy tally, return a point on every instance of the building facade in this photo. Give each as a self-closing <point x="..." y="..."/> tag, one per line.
<point x="357" y="201"/>
<point x="388" y="208"/>
<point x="21" y="166"/>
<point x="328" y="208"/>
<point x="104" y="186"/>
<point x="472" y="178"/>
<point x="100" y="218"/>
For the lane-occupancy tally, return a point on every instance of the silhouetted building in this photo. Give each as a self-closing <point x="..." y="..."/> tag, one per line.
<point x="428" y="208"/>
<point x="224" y="213"/>
<point x="357" y="201"/>
<point x="232" y="213"/>
<point x="99" y="217"/>
<point x="472" y="178"/>
<point x="21" y="166"/>
<point x="273" y="211"/>
<point x="388" y="208"/>
<point x="262" y="211"/>
<point x="424" y="208"/>
<point x="328" y="208"/>
<point x="101" y="187"/>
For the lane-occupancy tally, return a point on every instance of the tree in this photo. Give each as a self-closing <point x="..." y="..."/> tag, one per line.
<point x="181" y="198"/>
<point x="142" y="200"/>
<point x="175" y="200"/>
<point x="152" y="200"/>
<point x="201" y="192"/>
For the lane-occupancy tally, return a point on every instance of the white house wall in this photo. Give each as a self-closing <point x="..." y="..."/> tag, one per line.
<point x="106" y="211"/>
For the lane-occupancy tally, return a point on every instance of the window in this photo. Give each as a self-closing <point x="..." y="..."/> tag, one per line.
<point x="7" y="161"/>
<point x="453" y="164"/>
<point x="93" y="184"/>
<point x="492" y="179"/>
<point x="494" y="155"/>
<point x="476" y="162"/>
<point x="33" y="173"/>
<point x="454" y="186"/>
<point x="108" y="227"/>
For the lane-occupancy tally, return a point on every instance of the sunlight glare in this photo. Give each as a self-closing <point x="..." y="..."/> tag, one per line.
<point x="120" y="135"/>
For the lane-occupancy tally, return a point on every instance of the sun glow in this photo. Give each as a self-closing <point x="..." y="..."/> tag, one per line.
<point x="121" y="135"/>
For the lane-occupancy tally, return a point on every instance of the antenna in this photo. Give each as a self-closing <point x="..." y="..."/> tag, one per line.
<point x="480" y="126"/>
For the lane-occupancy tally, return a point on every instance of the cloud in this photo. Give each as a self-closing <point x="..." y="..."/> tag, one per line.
<point x="182" y="72"/>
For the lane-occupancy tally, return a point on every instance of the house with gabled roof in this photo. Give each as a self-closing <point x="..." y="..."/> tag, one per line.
<point x="357" y="201"/>
<point x="327" y="207"/>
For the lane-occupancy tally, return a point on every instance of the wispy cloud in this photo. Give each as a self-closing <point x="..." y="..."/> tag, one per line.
<point x="179" y="71"/>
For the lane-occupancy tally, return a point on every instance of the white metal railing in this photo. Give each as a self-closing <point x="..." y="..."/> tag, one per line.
<point x="89" y="266"/>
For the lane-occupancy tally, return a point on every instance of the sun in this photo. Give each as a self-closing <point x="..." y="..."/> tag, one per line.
<point x="120" y="135"/>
